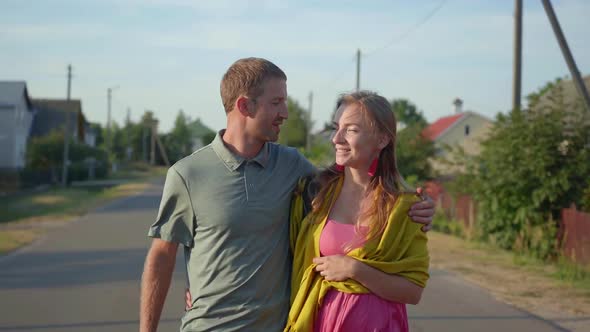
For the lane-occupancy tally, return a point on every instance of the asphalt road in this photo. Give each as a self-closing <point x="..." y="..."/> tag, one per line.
<point x="85" y="276"/>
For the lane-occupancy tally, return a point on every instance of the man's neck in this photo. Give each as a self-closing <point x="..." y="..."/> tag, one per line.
<point x="241" y="144"/>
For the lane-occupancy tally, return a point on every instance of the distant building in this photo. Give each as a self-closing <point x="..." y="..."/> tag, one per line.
<point x="52" y="114"/>
<point x="462" y="129"/>
<point x="16" y="117"/>
<point x="564" y="95"/>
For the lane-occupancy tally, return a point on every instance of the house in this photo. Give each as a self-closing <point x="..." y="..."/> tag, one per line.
<point x="464" y="129"/>
<point x="201" y="135"/>
<point x="52" y="114"/>
<point x="563" y="95"/>
<point x="16" y="117"/>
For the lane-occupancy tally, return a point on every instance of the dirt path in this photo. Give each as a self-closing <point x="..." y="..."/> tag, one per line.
<point x="526" y="286"/>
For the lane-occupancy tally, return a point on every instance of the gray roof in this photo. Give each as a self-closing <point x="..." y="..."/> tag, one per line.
<point x="51" y="115"/>
<point x="11" y="93"/>
<point x="569" y="93"/>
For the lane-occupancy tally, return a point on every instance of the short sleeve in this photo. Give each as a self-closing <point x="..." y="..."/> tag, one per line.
<point x="305" y="167"/>
<point x="175" y="221"/>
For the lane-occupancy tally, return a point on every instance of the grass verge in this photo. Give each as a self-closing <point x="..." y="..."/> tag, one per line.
<point x="559" y="292"/>
<point x="24" y="217"/>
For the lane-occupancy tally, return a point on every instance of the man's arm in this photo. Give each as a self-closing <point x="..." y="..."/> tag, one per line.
<point x="422" y="212"/>
<point x="155" y="282"/>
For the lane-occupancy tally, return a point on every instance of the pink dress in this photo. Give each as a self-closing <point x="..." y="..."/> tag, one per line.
<point x="344" y="312"/>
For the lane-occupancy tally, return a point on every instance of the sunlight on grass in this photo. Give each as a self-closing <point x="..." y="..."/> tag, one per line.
<point x="11" y="239"/>
<point x="49" y="199"/>
<point x="22" y="214"/>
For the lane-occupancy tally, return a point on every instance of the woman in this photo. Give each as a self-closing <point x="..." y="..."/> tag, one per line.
<point x="357" y="256"/>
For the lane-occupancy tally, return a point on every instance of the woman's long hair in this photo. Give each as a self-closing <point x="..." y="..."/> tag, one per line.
<point x="386" y="184"/>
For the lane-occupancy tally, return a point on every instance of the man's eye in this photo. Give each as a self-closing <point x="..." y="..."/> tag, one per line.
<point x="351" y="130"/>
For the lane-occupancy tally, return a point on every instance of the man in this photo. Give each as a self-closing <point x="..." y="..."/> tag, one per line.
<point x="228" y="205"/>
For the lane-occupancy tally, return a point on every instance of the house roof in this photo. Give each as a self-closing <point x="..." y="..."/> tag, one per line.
<point x="72" y="105"/>
<point x="434" y="130"/>
<point x="568" y="92"/>
<point x="12" y="91"/>
<point x="51" y="114"/>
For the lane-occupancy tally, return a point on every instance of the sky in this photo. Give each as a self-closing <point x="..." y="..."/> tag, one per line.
<point x="168" y="55"/>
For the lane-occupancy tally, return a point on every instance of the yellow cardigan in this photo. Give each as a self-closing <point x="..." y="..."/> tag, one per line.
<point x="401" y="250"/>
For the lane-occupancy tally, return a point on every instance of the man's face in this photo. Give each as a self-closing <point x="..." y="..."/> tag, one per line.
<point x="270" y="109"/>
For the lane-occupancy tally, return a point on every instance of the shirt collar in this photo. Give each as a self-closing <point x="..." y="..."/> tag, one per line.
<point x="233" y="161"/>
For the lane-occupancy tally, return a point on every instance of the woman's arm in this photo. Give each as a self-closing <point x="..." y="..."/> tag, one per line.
<point x="390" y="287"/>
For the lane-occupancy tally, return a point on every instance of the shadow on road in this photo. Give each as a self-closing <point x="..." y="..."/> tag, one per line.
<point x="58" y="269"/>
<point x="80" y="325"/>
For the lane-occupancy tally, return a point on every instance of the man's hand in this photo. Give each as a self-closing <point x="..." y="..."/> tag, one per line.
<point x="422" y="212"/>
<point x="188" y="300"/>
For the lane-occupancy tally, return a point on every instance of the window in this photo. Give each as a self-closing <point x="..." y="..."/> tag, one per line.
<point x="466" y="130"/>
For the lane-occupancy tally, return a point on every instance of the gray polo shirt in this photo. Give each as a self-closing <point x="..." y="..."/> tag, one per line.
<point x="231" y="215"/>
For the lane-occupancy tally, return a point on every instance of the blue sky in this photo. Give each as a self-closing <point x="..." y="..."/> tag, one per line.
<point x="166" y="55"/>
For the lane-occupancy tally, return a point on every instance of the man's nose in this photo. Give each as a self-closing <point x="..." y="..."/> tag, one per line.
<point x="284" y="112"/>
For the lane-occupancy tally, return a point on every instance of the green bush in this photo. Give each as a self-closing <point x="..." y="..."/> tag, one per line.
<point x="442" y="223"/>
<point x="531" y="166"/>
<point x="45" y="159"/>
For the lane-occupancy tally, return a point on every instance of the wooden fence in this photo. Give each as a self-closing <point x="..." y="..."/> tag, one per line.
<point x="575" y="227"/>
<point x="574" y="232"/>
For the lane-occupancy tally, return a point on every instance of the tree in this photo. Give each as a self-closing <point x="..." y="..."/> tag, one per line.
<point x="294" y="130"/>
<point x="140" y="136"/>
<point x="178" y="142"/>
<point x="413" y="149"/>
<point x="533" y="98"/>
<point x="98" y="132"/>
<point x="407" y="113"/>
<point x="45" y="154"/>
<point x="118" y="142"/>
<point x="413" y="153"/>
<point x="531" y="166"/>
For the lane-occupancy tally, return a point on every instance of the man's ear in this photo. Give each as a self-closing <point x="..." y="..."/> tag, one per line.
<point x="244" y="106"/>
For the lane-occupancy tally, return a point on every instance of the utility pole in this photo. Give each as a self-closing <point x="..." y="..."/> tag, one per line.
<point x="567" y="54"/>
<point x="517" y="64"/>
<point x="153" y="126"/>
<point x="108" y="140"/>
<point x="109" y="134"/>
<point x="128" y="150"/>
<point x="308" y="139"/>
<point x="163" y="153"/>
<point x="64" y="173"/>
<point x="144" y="142"/>
<point x="358" y="69"/>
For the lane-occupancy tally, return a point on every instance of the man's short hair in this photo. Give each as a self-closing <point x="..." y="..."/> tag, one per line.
<point x="245" y="77"/>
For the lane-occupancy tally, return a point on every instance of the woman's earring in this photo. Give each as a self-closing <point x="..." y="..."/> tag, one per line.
<point x="373" y="167"/>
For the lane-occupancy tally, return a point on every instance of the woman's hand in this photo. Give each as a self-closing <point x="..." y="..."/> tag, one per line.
<point x="336" y="267"/>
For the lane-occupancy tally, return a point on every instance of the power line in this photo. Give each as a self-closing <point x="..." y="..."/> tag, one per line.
<point x="409" y="31"/>
<point x="338" y="76"/>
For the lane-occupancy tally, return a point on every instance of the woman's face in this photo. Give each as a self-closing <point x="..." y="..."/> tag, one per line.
<point x="356" y="142"/>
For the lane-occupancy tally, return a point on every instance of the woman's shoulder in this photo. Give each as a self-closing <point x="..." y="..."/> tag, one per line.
<point x="408" y="197"/>
<point x="402" y="204"/>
